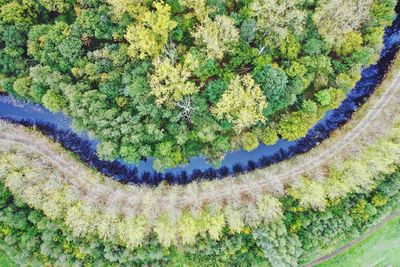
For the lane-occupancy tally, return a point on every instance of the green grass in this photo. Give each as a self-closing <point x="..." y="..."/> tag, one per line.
<point x="5" y="261"/>
<point x="380" y="249"/>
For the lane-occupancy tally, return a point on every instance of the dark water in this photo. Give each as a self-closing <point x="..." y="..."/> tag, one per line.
<point x="57" y="127"/>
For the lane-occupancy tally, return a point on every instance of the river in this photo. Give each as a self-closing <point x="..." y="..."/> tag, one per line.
<point x="58" y="127"/>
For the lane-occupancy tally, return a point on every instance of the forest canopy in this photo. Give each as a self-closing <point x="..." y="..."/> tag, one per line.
<point x="180" y="78"/>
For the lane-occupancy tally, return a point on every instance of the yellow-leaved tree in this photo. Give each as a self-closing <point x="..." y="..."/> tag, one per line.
<point x="242" y="103"/>
<point x="149" y="34"/>
<point x="336" y="18"/>
<point x="216" y="36"/>
<point x="133" y="8"/>
<point x="169" y="83"/>
<point x="198" y="7"/>
<point x="276" y="19"/>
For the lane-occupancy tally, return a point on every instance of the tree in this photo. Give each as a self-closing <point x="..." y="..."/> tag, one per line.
<point x="95" y="22"/>
<point x="295" y="125"/>
<point x="274" y="84"/>
<point x="248" y="30"/>
<point x="249" y="141"/>
<point x="22" y="86"/>
<point x="217" y="36"/>
<point x="323" y="98"/>
<point x="279" y="247"/>
<point x="336" y="18"/>
<point x="276" y="19"/>
<point x="268" y="136"/>
<point x="57" y="45"/>
<point x="310" y="193"/>
<point x="15" y="13"/>
<point x="347" y="80"/>
<point x="57" y="5"/>
<point x="170" y="84"/>
<point x="149" y="34"/>
<point x="13" y="38"/>
<point x="54" y="101"/>
<point x="290" y="47"/>
<point x="242" y="103"/>
<point x="214" y="90"/>
<point x="167" y="156"/>
<point x="313" y="46"/>
<point x="352" y="42"/>
<point x="309" y="107"/>
<point x="122" y="7"/>
<point x="198" y="7"/>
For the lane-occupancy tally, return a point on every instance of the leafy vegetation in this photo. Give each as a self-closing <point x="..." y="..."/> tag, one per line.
<point x="158" y="78"/>
<point x="31" y="238"/>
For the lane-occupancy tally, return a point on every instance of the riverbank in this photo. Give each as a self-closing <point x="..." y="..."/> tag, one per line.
<point x="57" y="127"/>
<point x="356" y="141"/>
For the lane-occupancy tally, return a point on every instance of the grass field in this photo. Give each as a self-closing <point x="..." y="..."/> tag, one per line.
<point x="380" y="249"/>
<point x="5" y="261"/>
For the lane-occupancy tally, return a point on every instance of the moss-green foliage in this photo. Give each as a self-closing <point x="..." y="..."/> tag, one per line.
<point x="139" y="74"/>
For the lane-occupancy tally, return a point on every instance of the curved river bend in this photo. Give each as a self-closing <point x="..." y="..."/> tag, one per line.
<point x="58" y="127"/>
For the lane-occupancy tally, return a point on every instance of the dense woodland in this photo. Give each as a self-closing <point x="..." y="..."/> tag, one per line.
<point x="180" y="78"/>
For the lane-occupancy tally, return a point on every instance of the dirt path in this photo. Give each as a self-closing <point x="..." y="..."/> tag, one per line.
<point x="356" y="241"/>
<point x="259" y="181"/>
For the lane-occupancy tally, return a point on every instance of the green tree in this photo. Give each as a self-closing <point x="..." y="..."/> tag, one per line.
<point x="54" y="101"/>
<point x="268" y="136"/>
<point x="57" y="5"/>
<point x="295" y="125"/>
<point x="352" y="42"/>
<point x="274" y="84"/>
<point x="57" y="45"/>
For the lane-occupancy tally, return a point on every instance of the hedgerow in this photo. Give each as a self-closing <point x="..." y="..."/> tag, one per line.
<point x="170" y="79"/>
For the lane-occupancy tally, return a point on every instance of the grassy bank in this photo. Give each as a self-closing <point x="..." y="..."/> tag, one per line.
<point x="5" y="261"/>
<point x="380" y="249"/>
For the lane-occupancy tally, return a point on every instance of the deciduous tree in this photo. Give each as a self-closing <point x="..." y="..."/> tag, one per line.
<point x="148" y="35"/>
<point x="336" y="18"/>
<point x="170" y="84"/>
<point x="217" y="36"/>
<point x="242" y="103"/>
